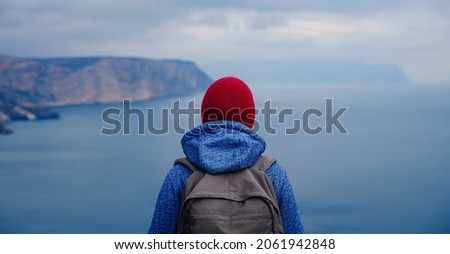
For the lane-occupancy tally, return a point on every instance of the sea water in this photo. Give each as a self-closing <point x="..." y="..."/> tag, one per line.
<point x="389" y="174"/>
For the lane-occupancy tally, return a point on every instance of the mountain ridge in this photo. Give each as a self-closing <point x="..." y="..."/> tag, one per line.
<point x="86" y="80"/>
<point x="310" y="71"/>
<point x="30" y="85"/>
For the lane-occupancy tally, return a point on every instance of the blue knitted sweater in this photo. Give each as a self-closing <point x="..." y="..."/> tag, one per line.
<point x="219" y="147"/>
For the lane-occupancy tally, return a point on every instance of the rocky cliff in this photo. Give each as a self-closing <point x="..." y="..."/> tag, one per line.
<point x="63" y="81"/>
<point x="28" y="86"/>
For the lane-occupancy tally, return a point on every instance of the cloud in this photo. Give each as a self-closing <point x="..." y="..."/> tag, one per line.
<point x="413" y="34"/>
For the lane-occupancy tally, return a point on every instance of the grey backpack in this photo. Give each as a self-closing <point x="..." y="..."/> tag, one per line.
<point x="241" y="202"/>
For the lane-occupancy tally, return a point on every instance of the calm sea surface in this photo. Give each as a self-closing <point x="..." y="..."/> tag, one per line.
<point x="389" y="174"/>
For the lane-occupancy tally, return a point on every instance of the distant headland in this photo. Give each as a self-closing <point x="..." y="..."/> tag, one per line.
<point x="29" y="86"/>
<point x="311" y="72"/>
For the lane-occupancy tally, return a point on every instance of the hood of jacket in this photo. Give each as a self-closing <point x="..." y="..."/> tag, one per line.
<point x="222" y="146"/>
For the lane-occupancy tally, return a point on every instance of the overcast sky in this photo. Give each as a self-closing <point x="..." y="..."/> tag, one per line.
<point x="411" y="33"/>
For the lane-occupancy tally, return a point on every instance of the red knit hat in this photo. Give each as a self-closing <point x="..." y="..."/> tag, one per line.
<point x="229" y="98"/>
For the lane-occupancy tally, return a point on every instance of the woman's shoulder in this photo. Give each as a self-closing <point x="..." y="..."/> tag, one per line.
<point x="178" y="175"/>
<point x="276" y="170"/>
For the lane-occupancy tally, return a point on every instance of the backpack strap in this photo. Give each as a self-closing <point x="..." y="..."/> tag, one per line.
<point x="187" y="163"/>
<point x="194" y="178"/>
<point x="263" y="163"/>
<point x="191" y="182"/>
